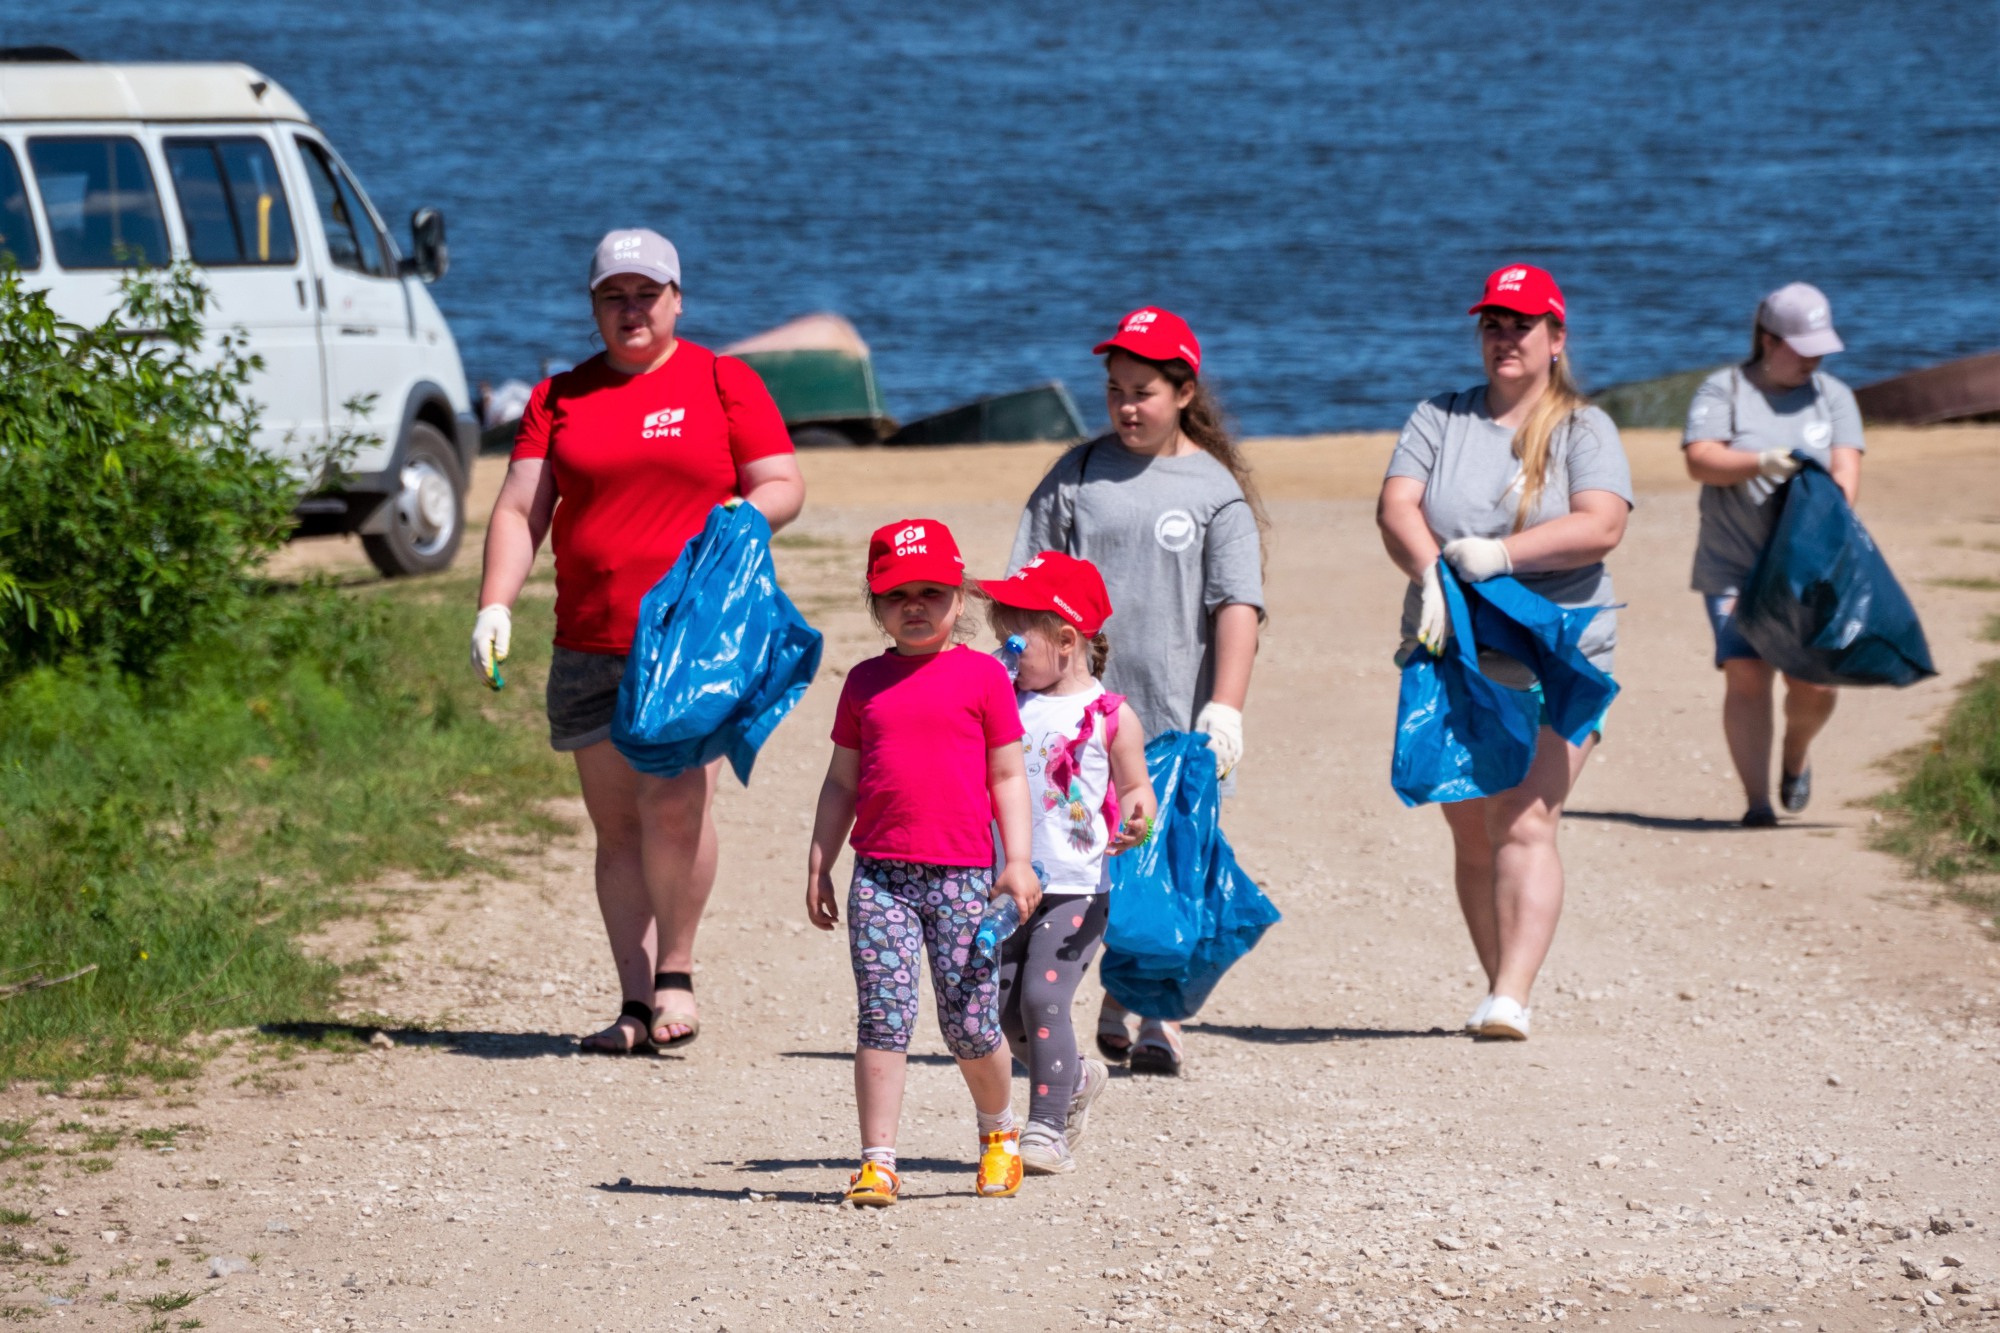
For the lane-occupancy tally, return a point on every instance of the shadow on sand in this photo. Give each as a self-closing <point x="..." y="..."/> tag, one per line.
<point x="483" y="1045"/>
<point x="1672" y="824"/>
<point x="1306" y="1036"/>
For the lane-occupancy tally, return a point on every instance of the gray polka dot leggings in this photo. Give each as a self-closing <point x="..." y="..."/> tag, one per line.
<point x="1041" y="965"/>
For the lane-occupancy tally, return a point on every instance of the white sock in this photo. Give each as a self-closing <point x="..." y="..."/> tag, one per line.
<point x="999" y="1122"/>
<point x="882" y="1157"/>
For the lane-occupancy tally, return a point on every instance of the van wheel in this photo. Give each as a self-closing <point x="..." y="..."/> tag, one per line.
<point x="426" y="514"/>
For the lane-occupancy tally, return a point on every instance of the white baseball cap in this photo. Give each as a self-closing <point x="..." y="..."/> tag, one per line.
<point x="637" y="250"/>
<point x="1800" y="314"/>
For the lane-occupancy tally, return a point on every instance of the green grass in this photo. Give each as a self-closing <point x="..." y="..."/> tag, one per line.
<point x="1974" y="584"/>
<point x="168" y="1301"/>
<point x="180" y="834"/>
<point x="1944" y="815"/>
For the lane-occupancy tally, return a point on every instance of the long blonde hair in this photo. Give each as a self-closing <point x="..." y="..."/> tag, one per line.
<point x="1536" y="439"/>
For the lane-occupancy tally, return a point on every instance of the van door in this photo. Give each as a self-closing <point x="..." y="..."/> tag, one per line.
<point x="365" y="314"/>
<point x="238" y="220"/>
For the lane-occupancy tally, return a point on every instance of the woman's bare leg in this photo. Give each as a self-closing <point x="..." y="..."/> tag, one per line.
<point x="1527" y="868"/>
<point x="1472" y="873"/>
<point x="1746" y="725"/>
<point x="610" y="788"/>
<point x="677" y="846"/>
<point x="1807" y="708"/>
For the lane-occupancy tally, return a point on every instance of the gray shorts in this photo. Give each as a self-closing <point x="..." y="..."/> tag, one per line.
<point x="583" y="694"/>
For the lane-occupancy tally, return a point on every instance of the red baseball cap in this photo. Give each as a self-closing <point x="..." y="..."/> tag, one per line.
<point x="913" y="550"/>
<point x="1052" y="581"/>
<point x="1157" y="335"/>
<point x="1523" y="289"/>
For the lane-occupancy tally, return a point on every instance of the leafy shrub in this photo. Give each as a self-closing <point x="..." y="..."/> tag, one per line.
<point x="1945" y="813"/>
<point x="133" y="503"/>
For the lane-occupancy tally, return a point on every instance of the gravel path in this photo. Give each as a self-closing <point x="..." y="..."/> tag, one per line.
<point x="1760" y="1092"/>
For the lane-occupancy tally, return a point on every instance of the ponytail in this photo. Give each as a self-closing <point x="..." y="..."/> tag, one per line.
<point x="1535" y="441"/>
<point x="1100" y="653"/>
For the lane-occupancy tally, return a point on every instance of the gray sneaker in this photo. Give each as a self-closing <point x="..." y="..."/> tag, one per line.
<point x="1044" y="1151"/>
<point x="1795" y="793"/>
<point x="1092" y="1082"/>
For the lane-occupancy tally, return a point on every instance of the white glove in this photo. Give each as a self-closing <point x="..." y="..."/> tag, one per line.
<point x="1434" y="619"/>
<point x="1777" y="465"/>
<point x="1476" y="559"/>
<point x="1223" y="726"/>
<point x="492" y="633"/>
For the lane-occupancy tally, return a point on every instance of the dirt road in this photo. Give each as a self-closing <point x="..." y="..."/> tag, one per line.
<point x="1760" y="1092"/>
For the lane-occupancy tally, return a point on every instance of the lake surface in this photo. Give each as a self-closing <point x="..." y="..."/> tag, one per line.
<point x="1320" y="189"/>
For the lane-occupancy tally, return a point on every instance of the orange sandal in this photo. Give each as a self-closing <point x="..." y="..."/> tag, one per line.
<point x="873" y="1186"/>
<point x="999" y="1164"/>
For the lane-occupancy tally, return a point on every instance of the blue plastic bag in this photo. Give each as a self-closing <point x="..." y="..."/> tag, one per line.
<point x="721" y="654"/>
<point x="1182" y="910"/>
<point x="1821" y="603"/>
<point x="1460" y="734"/>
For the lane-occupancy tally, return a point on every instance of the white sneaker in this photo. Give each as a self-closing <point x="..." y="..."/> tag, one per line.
<point x="1095" y="1076"/>
<point x="1506" y="1019"/>
<point x="1044" y="1151"/>
<point x="1478" y="1019"/>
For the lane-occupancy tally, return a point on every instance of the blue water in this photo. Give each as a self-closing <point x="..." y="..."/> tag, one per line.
<point x="1319" y="188"/>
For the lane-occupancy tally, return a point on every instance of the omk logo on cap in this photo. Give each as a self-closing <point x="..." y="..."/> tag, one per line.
<point x="625" y="247"/>
<point x="1511" y="280"/>
<point x="910" y="541"/>
<point x="1818" y="317"/>
<point x="662" y="424"/>
<point x="1140" y="320"/>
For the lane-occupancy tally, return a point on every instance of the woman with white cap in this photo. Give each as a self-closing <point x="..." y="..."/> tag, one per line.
<point x="619" y="462"/>
<point x="1522" y="476"/>
<point x="1744" y="425"/>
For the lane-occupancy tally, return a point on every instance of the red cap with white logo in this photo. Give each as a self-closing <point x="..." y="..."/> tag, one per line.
<point x="914" y="550"/>
<point x="1523" y="289"/>
<point x="1052" y="581"/>
<point x="1157" y="335"/>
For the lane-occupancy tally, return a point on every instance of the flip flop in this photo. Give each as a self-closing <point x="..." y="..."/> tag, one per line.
<point x="687" y="1018"/>
<point x="1157" y="1050"/>
<point x="1110" y="1030"/>
<point x="634" y="1009"/>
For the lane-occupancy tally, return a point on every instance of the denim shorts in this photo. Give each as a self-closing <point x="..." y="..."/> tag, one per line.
<point x="1730" y="645"/>
<point x="583" y="694"/>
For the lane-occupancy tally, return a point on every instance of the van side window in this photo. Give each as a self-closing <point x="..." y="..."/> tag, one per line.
<point x="232" y="202"/>
<point x="351" y="234"/>
<point x="102" y="207"/>
<point x="18" y="243"/>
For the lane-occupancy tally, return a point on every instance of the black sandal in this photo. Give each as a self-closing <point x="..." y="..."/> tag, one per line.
<point x="672" y="981"/>
<point x="634" y="1009"/>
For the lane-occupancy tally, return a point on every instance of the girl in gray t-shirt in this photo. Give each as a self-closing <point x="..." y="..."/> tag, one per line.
<point x="1743" y="427"/>
<point x="1521" y="476"/>
<point x="1163" y="506"/>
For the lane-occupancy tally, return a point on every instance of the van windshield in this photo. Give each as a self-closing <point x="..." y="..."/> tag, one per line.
<point x="352" y="239"/>
<point x="18" y="244"/>
<point x="103" y="209"/>
<point x="232" y="202"/>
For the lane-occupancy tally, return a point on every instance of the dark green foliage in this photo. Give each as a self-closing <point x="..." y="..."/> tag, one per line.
<point x="132" y="501"/>
<point x="1945" y="813"/>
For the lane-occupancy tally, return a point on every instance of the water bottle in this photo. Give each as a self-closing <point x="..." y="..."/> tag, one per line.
<point x="1002" y="919"/>
<point x="1010" y="655"/>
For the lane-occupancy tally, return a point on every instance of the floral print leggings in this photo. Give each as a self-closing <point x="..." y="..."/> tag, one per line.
<point x="897" y="911"/>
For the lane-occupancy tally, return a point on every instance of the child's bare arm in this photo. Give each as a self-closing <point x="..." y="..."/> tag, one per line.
<point x="831" y="821"/>
<point x="1137" y="805"/>
<point x="1007" y="780"/>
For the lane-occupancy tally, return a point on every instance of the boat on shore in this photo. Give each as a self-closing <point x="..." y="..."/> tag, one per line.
<point x="1045" y="412"/>
<point x="1967" y="389"/>
<point x="822" y="377"/>
<point x="1655" y="404"/>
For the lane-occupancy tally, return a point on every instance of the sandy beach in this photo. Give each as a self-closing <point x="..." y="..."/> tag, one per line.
<point x="1759" y="1094"/>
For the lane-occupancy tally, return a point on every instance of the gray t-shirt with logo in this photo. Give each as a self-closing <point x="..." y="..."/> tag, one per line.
<point x="1175" y="541"/>
<point x="1736" y="521"/>
<point x="1472" y="488"/>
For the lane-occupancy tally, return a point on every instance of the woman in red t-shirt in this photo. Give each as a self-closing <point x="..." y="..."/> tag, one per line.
<point x="621" y="460"/>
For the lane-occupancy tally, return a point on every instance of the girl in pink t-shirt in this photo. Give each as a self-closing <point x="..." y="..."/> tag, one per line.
<point x="926" y="755"/>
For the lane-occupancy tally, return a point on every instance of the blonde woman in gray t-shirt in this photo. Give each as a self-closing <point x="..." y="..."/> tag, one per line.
<point x="1521" y="476"/>
<point x="1743" y="426"/>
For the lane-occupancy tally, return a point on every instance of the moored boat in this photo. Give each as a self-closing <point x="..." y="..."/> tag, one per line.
<point x="1962" y="390"/>
<point x="1045" y="412"/>
<point x="821" y="375"/>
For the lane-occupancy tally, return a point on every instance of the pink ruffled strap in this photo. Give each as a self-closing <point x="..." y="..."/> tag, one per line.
<point x="1063" y="763"/>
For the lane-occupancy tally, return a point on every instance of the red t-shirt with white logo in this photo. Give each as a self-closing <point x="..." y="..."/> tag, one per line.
<point x="923" y="726"/>
<point x="639" y="462"/>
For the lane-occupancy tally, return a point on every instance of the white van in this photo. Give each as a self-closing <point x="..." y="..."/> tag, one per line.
<point x="106" y="166"/>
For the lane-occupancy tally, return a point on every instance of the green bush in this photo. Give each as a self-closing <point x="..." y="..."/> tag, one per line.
<point x="133" y="503"/>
